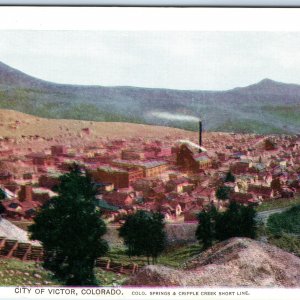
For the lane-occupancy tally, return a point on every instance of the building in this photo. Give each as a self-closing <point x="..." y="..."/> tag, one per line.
<point x="58" y="150"/>
<point x="41" y="159"/>
<point x="150" y="168"/>
<point x="49" y="180"/>
<point x="192" y="160"/>
<point x="242" y="198"/>
<point x="5" y="177"/>
<point x="241" y="167"/>
<point x="120" y="178"/>
<point x="263" y="192"/>
<point x="132" y="154"/>
<point x="119" y="199"/>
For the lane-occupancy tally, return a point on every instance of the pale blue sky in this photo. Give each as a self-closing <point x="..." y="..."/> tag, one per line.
<point x="181" y="60"/>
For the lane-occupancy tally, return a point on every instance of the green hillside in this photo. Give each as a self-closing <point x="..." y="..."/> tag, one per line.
<point x="265" y="107"/>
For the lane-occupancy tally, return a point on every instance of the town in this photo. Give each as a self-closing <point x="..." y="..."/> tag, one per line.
<point x="175" y="175"/>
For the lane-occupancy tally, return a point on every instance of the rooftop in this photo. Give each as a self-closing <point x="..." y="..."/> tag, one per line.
<point x="144" y="164"/>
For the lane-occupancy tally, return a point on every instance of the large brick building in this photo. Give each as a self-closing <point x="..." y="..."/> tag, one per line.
<point x="150" y="168"/>
<point x="192" y="160"/>
<point x="121" y="178"/>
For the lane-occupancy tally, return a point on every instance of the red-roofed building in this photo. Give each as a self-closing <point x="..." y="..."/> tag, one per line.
<point x="119" y="199"/>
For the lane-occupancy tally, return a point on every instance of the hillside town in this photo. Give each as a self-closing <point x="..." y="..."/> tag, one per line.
<point x="173" y="175"/>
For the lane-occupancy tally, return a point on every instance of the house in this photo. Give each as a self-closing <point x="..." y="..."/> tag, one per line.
<point x="119" y="199"/>
<point x="191" y="215"/>
<point x="185" y="201"/>
<point x="241" y="167"/>
<point x="242" y="198"/>
<point x="58" y="150"/>
<point x="204" y="194"/>
<point x="177" y="185"/>
<point x="263" y="192"/>
<point x="12" y="208"/>
<point x="107" y="210"/>
<point x="18" y="210"/>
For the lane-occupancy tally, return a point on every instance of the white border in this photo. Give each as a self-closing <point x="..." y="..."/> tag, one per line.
<point x="175" y="293"/>
<point x="137" y="18"/>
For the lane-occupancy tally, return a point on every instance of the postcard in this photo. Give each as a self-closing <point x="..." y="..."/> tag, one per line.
<point x="148" y="153"/>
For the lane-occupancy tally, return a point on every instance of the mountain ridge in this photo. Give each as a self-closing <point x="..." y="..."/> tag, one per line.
<point x="264" y="107"/>
<point x="10" y="69"/>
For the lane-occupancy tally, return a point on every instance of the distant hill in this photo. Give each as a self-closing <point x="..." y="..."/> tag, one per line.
<point x="265" y="107"/>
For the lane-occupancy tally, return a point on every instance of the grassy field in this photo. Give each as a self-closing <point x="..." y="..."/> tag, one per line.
<point x="278" y="203"/>
<point x="286" y="242"/>
<point x="174" y="257"/>
<point x="283" y="230"/>
<point x="287" y="222"/>
<point x="14" y="272"/>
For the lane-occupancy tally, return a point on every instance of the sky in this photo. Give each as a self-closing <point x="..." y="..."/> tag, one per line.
<point x="160" y="59"/>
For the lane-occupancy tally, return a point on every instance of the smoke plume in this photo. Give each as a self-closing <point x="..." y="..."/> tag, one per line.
<point x="174" y="117"/>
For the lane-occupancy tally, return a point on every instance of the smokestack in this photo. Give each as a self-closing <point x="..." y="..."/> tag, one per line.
<point x="200" y="134"/>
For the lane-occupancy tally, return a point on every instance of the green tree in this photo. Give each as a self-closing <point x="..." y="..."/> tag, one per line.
<point x="229" y="177"/>
<point x="2" y="194"/>
<point x="206" y="230"/>
<point x="237" y="221"/>
<point x="143" y="234"/>
<point x="70" y="229"/>
<point x="248" y="223"/>
<point x="223" y="192"/>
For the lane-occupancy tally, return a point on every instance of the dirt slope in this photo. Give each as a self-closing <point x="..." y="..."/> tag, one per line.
<point x="16" y="124"/>
<point x="234" y="263"/>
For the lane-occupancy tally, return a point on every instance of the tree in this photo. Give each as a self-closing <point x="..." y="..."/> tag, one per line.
<point x="2" y="194"/>
<point x="206" y="230"/>
<point x="143" y="234"/>
<point x="228" y="224"/>
<point x="229" y="177"/>
<point x="70" y="229"/>
<point x="249" y="224"/>
<point x="223" y="192"/>
<point x="237" y="221"/>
